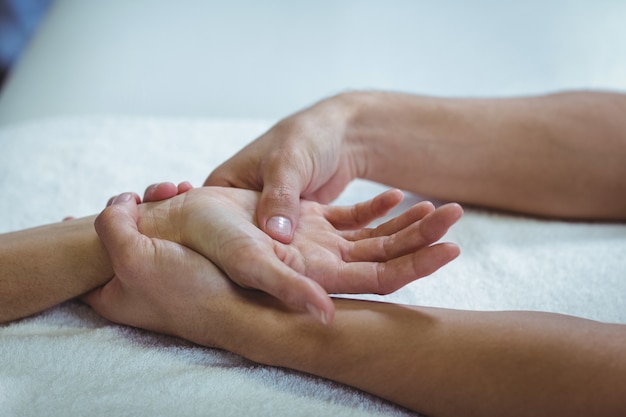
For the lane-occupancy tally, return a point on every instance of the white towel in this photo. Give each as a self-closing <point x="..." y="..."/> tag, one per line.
<point x="68" y="361"/>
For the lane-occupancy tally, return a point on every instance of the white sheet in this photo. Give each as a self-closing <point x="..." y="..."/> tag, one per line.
<point x="68" y="361"/>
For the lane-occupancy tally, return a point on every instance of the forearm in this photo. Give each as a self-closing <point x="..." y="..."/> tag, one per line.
<point x="47" y="265"/>
<point x="558" y="155"/>
<point x="447" y="363"/>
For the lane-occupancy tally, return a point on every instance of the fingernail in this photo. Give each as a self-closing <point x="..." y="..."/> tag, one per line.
<point x="122" y="198"/>
<point x="279" y="225"/>
<point x="318" y="314"/>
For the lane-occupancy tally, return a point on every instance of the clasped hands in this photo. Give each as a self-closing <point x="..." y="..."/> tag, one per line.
<point x="174" y="253"/>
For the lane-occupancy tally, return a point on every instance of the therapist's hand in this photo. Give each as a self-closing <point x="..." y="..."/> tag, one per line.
<point x="304" y="156"/>
<point x="331" y="251"/>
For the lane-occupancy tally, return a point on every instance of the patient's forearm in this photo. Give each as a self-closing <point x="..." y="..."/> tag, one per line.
<point x="450" y="363"/>
<point x="47" y="265"/>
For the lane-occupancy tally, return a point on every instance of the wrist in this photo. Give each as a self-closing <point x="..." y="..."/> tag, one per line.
<point x="344" y="115"/>
<point x="378" y="126"/>
<point x="405" y="140"/>
<point x="253" y="325"/>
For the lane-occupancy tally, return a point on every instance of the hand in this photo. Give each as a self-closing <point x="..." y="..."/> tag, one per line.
<point x="303" y="156"/>
<point x="175" y="290"/>
<point x="330" y="252"/>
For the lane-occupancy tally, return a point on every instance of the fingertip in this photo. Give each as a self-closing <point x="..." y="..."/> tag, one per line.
<point x="160" y="191"/>
<point x="125" y="198"/>
<point x="459" y="209"/>
<point x="149" y="191"/>
<point x="445" y="252"/>
<point x="396" y="194"/>
<point x="303" y="294"/>
<point x="454" y="207"/>
<point x="184" y="186"/>
<point x="427" y="206"/>
<point x="452" y="212"/>
<point x="319" y="304"/>
<point x="122" y="211"/>
<point x="322" y="309"/>
<point x="278" y="210"/>
<point x="279" y="228"/>
<point x="385" y="201"/>
<point x="329" y="312"/>
<point x="454" y="249"/>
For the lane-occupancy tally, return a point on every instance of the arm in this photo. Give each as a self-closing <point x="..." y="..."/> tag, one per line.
<point x="447" y="362"/>
<point x="559" y="155"/>
<point x="436" y="361"/>
<point x="47" y="265"/>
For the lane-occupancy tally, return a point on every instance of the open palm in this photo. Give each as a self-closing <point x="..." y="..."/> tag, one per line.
<point x="332" y="251"/>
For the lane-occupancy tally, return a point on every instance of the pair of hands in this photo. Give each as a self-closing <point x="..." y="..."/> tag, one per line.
<point x="315" y="250"/>
<point x="173" y="257"/>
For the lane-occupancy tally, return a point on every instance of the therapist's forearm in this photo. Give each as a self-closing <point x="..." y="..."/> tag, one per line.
<point x="46" y="265"/>
<point x="558" y="155"/>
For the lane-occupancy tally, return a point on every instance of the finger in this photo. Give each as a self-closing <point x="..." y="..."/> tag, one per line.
<point x="117" y="228"/>
<point x="274" y="277"/>
<point x="362" y="214"/>
<point x="387" y="277"/>
<point x="160" y="191"/>
<point x="397" y="273"/>
<point x="437" y="223"/>
<point x="414" y="237"/>
<point x="96" y="300"/>
<point x="278" y="210"/>
<point x="112" y="199"/>
<point x="112" y="302"/>
<point x="412" y="215"/>
<point x="184" y="186"/>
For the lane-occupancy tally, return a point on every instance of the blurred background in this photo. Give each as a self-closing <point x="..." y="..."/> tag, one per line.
<point x="266" y="59"/>
<point x="18" y="21"/>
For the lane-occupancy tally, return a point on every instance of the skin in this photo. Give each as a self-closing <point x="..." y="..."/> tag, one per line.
<point x="559" y="155"/>
<point x="44" y="266"/>
<point x="513" y="154"/>
<point x="435" y="361"/>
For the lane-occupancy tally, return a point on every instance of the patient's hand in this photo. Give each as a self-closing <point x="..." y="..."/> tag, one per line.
<point x="331" y="252"/>
<point x="161" y="285"/>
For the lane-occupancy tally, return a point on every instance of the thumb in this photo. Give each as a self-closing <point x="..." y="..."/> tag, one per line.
<point x="278" y="210"/>
<point x="117" y="226"/>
